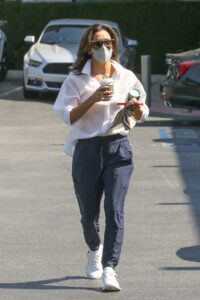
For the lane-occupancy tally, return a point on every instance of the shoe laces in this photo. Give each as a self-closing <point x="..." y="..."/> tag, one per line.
<point x="94" y="257"/>
<point x="110" y="272"/>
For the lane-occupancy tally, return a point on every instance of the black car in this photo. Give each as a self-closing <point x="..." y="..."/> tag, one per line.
<point x="182" y="86"/>
<point x="3" y="51"/>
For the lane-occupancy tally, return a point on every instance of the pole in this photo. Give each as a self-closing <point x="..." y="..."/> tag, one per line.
<point x="146" y="76"/>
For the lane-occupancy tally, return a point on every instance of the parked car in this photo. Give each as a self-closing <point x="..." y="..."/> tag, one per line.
<point x="48" y="61"/>
<point x="3" y="51"/>
<point x="182" y="86"/>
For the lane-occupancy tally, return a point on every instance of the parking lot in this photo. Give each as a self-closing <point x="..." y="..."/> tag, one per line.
<point x="42" y="252"/>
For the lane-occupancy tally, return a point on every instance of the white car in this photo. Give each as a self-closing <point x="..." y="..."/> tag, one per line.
<point x="3" y="51"/>
<point x="48" y="61"/>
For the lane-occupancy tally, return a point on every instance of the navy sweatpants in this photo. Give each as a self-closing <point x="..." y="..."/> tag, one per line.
<point x="103" y="165"/>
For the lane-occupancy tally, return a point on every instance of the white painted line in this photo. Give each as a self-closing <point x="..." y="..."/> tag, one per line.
<point x="11" y="91"/>
<point x="185" y="133"/>
<point x="167" y="180"/>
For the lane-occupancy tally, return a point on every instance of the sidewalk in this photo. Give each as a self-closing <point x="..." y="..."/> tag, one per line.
<point x="158" y="107"/>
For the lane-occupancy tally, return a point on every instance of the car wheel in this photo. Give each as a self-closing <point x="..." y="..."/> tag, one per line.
<point x="29" y="94"/>
<point x="4" y="69"/>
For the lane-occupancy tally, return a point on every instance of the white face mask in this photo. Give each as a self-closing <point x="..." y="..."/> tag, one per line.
<point x="102" y="54"/>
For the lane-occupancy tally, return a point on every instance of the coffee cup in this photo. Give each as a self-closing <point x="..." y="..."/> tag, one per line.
<point x="134" y="93"/>
<point x="108" y="82"/>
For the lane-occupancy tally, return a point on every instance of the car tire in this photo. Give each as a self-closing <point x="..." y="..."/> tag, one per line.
<point x="29" y="94"/>
<point x="4" y="68"/>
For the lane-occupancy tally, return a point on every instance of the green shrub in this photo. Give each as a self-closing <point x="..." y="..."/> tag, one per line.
<point x="159" y="26"/>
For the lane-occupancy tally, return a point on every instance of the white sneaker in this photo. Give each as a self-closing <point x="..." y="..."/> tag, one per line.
<point x="94" y="268"/>
<point x="109" y="280"/>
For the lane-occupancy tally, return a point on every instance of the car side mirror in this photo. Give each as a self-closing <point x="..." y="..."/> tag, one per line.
<point x="131" y="43"/>
<point x="29" y="39"/>
<point x="3" y="23"/>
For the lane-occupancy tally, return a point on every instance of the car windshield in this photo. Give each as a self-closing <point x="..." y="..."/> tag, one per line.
<point x="61" y="34"/>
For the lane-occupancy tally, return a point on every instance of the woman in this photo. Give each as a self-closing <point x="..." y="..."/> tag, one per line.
<point x="102" y="156"/>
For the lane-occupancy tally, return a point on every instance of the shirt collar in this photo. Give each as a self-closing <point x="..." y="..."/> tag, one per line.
<point x="87" y="67"/>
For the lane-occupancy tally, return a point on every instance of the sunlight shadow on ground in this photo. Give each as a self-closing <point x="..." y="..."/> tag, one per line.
<point x="46" y="284"/>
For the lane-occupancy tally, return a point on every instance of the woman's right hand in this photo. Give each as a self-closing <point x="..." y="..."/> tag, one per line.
<point x="103" y="93"/>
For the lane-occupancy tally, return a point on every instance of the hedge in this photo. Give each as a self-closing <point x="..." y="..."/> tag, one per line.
<point x="159" y="26"/>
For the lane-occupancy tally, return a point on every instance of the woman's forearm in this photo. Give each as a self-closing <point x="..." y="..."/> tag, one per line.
<point x="79" y="111"/>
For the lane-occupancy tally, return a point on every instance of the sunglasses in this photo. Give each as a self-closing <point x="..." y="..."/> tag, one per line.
<point x="99" y="44"/>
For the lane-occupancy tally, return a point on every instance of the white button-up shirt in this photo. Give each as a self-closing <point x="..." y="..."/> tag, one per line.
<point x="99" y="118"/>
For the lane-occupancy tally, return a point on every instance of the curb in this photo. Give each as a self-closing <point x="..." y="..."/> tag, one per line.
<point x="158" y="107"/>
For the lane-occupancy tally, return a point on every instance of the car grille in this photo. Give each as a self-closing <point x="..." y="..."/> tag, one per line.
<point x="55" y="85"/>
<point x="57" y="68"/>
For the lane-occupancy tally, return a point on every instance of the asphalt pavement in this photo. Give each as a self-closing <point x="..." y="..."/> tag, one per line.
<point x="42" y="251"/>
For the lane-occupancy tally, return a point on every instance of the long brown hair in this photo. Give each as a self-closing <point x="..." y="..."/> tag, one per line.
<point x="83" y="55"/>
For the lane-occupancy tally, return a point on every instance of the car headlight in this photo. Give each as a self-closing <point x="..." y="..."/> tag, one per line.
<point x="34" y="63"/>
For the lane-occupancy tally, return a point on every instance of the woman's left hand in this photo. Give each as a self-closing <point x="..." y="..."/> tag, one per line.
<point x="138" y="108"/>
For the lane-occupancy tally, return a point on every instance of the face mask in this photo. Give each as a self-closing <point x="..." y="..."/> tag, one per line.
<point x="102" y="54"/>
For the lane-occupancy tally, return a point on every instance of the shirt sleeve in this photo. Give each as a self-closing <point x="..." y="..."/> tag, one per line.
<point x="67" y="99"/>
<point x="137" y="84"/>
